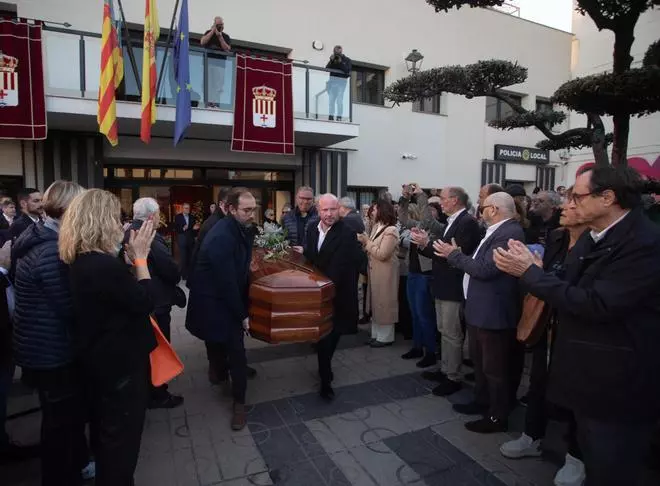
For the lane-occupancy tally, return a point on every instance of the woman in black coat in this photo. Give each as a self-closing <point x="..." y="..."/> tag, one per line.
<point x="113" y="334"/>
<point x="43" y="319"/>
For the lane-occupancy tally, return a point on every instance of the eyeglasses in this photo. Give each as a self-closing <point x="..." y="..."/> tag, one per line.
<point x="483" y="208"/>
<point x="577" y="198"/>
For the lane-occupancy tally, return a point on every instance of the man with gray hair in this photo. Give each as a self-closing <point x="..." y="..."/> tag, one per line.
<point x="492" y="311"/>
<point x="544" y="217"/>
<point x="350" y="216"/>
<point x="165" y="278"/>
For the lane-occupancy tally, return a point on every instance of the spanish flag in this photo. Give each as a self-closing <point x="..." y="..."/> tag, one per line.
<point x="149" y="75"/>
<point x="112" y="72"/>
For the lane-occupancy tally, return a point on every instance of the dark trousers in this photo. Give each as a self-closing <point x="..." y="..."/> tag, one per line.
<point x="232" y="353"/>
<point x="117" y="420"/>
<point x="6" y="376"/>
<point x="365" y="287"/>
<point x="186" y="245"/>
<point x="613" y="453"/>
<point x="64" y="451"/>
<point x="164" y="321"/>
<point x="325" y="350"/>
<point x="404" y="324"/>
<point x="491" y="352"/>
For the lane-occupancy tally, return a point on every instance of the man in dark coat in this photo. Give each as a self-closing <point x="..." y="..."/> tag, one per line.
<point x="219" y="286"/>
<point x="606" y="360"/>
<point x="186" y="228"/>
<point x="492" y="312"/>
<point x="333" y="248"/>
<point x="350" y="215"/>
<point x="165" y="278"/>
<point x="296" y="221"/>
<point x="31" y="211"/>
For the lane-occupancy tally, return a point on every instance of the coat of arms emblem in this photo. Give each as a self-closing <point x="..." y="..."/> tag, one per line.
<point x="264" y="107"/>
<point x="8" y="81"/>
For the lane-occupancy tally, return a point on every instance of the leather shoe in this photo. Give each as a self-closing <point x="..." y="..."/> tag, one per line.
<point x="438" y="376"/>
<point x="327" y="393"/>
<point x="413" y="354"/>
<point x="166" y="401"/>
<point x="447" y="387"/>
<point x="471" y="408"/>
<point x="426" y="361"/>
<point x="239" y="418"/>
<point x="378" y="344"/>
<point x="487" y="425"/>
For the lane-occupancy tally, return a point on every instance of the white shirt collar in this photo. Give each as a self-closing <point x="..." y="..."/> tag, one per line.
<point x="9" y="220"/>
<point x="452" y="218"/>
<point x="33" y="219"/>
<point x="599" y="236"/>
<point x="491" y="229"/>
<point x="322" y="235"/>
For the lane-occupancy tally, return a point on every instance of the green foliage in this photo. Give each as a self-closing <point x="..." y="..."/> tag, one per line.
<point x="445" y="5"/>
<point x="652" y="56"/>
<point x="633" y="92"/>
<point x="529" y="119"/>
<point x="479" y="79"/>
<point x="273" y="240"/>
<point x="613" y="10"/>
<point x="579" y="140"/>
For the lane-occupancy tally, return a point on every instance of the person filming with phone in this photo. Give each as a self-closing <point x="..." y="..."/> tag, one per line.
<point x="215" y="38"/>
<point x="337" y="83"/>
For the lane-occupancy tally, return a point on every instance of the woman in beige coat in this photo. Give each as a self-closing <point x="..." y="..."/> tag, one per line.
<point x="381" y="247"/>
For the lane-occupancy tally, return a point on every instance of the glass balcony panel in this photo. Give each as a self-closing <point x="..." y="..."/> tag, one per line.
<point x="220" y="81"/>
<point x="62" y="59"/>
<point x="299" y="93"/>
<point x="329" y="96"/>
<point x="92" y="66"/>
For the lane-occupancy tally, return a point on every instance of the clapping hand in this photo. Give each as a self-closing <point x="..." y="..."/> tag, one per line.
<point x="516" y="260"/>
<point x="139" y="243"/>
<point x="443" y="250"/>
<point x="362" y="238"/>
<point x="419" y="237"/>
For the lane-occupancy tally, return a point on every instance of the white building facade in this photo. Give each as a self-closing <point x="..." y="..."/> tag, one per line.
<point x="376" y="146"/>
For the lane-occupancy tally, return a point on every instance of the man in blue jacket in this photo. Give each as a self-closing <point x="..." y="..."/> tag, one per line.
<point x="606" y="362"/>
<point x="219" y="286"/>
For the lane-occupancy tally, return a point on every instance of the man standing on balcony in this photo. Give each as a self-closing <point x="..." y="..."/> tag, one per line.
<point x="216" y="38"/>
<point x="337" y="82"/>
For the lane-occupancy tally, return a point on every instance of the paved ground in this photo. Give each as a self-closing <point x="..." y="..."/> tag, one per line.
<point x="384" y="428"/>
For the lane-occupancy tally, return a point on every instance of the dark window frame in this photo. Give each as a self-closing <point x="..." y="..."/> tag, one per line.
<point x="361" y="92"/>
<point x="502" y="109"/>
<point x="430" y="106"/>
<point x="540" y="102"/>
<point x="357" y="191"/>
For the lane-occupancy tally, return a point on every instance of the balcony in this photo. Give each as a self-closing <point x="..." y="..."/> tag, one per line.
<point x="72" y="68"/>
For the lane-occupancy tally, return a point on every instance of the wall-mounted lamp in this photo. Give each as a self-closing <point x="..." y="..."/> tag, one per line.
<point x="414" y="61"/>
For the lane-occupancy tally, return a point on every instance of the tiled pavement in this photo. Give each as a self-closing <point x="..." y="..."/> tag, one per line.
<point x="384" y="428"/>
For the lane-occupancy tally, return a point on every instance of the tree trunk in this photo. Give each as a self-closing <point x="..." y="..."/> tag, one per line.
<point x="598" y="144"/>
<point x="623" y="41"/>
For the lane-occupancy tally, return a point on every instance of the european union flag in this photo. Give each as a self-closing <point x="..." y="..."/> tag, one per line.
<point x="182" y="75"/>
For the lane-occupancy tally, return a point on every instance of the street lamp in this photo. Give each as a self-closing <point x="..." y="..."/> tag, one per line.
<point x="414" y="61"/>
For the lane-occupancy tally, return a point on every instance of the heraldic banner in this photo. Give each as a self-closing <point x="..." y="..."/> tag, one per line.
<point x="22" y="96"/>
<point x="263" y="109"/>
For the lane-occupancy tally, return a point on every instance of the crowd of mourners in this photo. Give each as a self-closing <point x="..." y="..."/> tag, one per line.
<point x="565" y="284"/>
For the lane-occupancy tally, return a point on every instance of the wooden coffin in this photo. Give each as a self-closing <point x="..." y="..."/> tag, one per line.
<point x="290" y="302"/>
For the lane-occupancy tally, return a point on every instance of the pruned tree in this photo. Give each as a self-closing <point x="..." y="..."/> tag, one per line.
<point x="621" y="93"/>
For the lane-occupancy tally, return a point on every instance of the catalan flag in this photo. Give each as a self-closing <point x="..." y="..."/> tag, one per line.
<point x="149" y="75"/>
<point x="112" y="72"/>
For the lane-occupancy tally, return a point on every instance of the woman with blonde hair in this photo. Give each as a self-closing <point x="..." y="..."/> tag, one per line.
<point x="381" y="247"/>
<point x="113" y="334"/>
<point x="43" y="320"/>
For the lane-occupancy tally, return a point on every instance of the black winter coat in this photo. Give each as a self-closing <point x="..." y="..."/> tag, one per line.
<point x="607" y="358"/>
<point x="290" y="224"/>
<point x="44" y="314"/>
<point x="340" y="258"/>
<point x="163" y="269"/>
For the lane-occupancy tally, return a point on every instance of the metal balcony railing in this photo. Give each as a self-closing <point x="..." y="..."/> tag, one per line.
<point x="73" y="59"/>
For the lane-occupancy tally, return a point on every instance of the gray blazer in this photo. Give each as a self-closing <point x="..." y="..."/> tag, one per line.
<point x="494" y="300"/>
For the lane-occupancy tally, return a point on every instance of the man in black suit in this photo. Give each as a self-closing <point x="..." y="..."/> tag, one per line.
<point x="447" y="287"/>
<point x="606" y="359"/>
<point x="219" y="289"/>
<point x="6" y="219"/>
<point x="333" y="248"/>
<point x="492" y="311"/>
<point x="31" y="211"/>
<point x="350" y="216"/>
<point x="186" y="227"/>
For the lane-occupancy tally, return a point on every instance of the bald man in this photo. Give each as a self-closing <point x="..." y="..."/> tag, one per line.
<point x="333" y="248"/>
<point x="492" y="311"/>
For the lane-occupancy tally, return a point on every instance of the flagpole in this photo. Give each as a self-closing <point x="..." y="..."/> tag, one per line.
<point x="130" y="48"/>
<point x="167" y="48"/>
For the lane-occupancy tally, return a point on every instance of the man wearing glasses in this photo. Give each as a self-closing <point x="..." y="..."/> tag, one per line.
<point x="218" y="303"/>
<point x="606" y="360"/>
<point x="297" y="221"/>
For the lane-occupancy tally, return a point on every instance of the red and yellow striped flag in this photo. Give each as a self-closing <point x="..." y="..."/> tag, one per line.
<point x="112" y="72"/>
<point x="149" y="75"/>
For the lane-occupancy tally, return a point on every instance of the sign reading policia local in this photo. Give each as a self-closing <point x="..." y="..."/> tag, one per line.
<point x="511" y="153"/>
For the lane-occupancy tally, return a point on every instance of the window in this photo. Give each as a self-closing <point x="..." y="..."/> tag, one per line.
<point x="498" y="110"/>
<point x="543" y="106"/>
<point x="428" y="105"/>
<point x="368" y="85"/>
<point x="364" y="195"/>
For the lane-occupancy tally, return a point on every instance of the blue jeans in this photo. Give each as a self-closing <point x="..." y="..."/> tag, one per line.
<point x="423" y="312"/>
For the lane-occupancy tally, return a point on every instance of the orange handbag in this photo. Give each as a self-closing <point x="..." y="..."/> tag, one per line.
<point x="165" y="364"/>
<point x="534" y="318"/>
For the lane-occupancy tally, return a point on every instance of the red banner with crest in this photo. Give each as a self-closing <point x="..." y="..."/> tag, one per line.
<point x="22" y="94"/>
<point x="263" y="107"/>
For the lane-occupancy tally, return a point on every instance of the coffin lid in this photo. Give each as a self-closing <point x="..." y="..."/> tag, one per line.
<point x="293" y="279"/>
